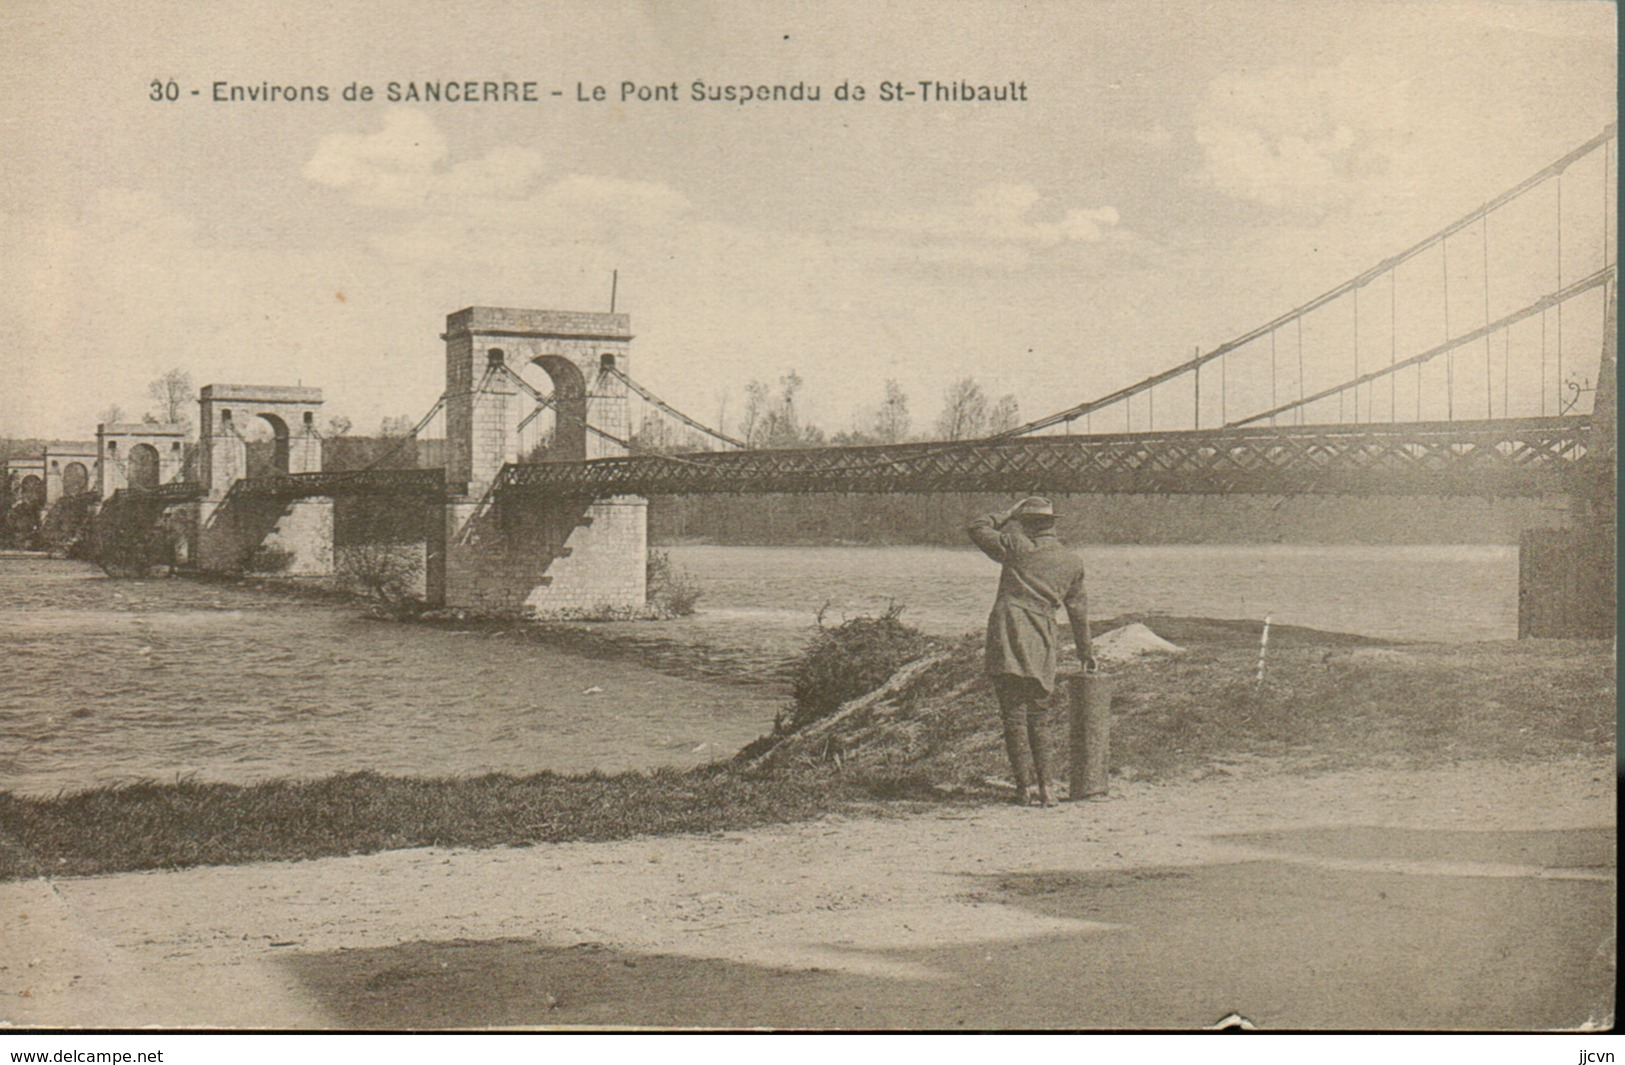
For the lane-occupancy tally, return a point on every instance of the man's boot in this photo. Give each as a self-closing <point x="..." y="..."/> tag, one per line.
<point x="1015" y="745"/>
<point x="1038" y="733"/>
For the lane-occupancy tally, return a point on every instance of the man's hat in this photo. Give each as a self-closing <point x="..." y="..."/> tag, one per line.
<point x="1036" y="506"/>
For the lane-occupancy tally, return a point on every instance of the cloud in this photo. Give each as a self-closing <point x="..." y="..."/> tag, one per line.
<point x="394" y="167"/>
<point x="643" y="202"/>
<point x="505" y="172"/>
<point x="1002" y="214"/>
<point x="1300" y="137"/>
<point x="126" y="275"/>
<point x="502" y="201"/>
<point x="561" y="216"/>
<point x="1001" y="226"/>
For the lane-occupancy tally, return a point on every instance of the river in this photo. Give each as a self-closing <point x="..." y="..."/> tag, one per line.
<point x="108" y="680"/>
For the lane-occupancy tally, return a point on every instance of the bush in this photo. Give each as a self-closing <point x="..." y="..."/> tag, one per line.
<point x="130" y="538"/>
<point x="849" y="660"/>
<point x="66" y="527"/>
<point x="672" y="592"/>
<point x="387" y="572"/>
<point x="268" y="559"/>
<point x="21" y="525"/>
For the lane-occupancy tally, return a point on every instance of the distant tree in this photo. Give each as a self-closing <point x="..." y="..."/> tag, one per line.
<point x="396" y="426"/>
<point x="174" y="396"/>
<point x="722" y="411"/>
<point x="338" y="425"/>
<point x="758" y="397"/>
<point x="964" y="411"/>
<point x="891" y="421"/>
<point x="781" y="426"/>
<point x="654" y="434"/>
<point x="783" y="429"/>
<point x="1006" y="415"/>
<point x="540" y="450"/>
<point x="112" y="415"/>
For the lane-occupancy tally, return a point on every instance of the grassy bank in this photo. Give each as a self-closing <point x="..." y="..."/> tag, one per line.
<point x="1329" y="702"/>
<point x="152" y="825"/>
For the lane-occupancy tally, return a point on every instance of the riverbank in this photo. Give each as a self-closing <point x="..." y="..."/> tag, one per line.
<point x="939" y="519"/>
<point x="1329" y="703"/>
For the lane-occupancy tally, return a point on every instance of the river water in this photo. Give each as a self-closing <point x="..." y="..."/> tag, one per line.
<point x="106" y="680"/>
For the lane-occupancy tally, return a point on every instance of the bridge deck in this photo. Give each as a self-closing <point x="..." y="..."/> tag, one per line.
<point x="165" y="494"/>
<point x="1499" y="457"/>
<point x="430" y="482"/>
<point x="1527" y="456"/>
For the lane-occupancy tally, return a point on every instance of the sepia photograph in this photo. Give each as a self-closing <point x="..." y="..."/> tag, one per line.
<point x="727" y="516"/>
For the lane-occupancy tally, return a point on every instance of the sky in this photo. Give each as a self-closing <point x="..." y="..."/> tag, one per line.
<point x="1178" y="173"/>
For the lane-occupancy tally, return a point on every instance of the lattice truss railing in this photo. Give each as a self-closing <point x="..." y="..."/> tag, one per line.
<point x="173" y="492"/>
<point x="431" y="482"/>
<point x="343" y="483"/>
<point x="1526" y="457"/>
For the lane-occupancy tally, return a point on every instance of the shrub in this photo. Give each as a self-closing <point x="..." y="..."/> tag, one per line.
<point x="672" y="592"/>
<point x="268" y="559"/>
<point x="849" y="660"/>
<point x="20" y="518"/>
<point x="67" y="525"/>
<point x="130" y="538"/>
<point x="387" y="572"/>
<point x="21" y="525"/>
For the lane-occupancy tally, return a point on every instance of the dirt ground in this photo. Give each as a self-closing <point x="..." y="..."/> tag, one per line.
<point x="1479" y="895"/>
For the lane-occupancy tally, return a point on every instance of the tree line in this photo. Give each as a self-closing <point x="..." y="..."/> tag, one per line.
<point x="773" y="417"/>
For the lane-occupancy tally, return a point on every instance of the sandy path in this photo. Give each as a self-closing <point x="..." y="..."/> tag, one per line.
<point x="859" y="896"/>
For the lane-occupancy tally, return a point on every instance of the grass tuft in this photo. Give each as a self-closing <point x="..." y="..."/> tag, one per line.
<point x="849" y="660"/>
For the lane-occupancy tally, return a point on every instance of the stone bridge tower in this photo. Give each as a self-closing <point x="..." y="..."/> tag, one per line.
<point x="227" y="411"/>
<point x="138" y="455"/>
<point x="70" y="468"/>
<point x="537" y="556"/>
<point x="230" y="530"/>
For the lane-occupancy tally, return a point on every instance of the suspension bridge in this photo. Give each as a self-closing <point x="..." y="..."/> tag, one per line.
<point x="1481" y="409"/>
<point x="1479" y="360"/>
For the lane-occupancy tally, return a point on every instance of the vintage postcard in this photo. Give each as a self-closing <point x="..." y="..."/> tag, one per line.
<point x="1063" y="516"/>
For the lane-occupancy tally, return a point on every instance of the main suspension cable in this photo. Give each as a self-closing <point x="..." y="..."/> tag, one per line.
<point x="673" y="411"/>
<point x="1555" y="169"/>
<point x="411" y="437"/>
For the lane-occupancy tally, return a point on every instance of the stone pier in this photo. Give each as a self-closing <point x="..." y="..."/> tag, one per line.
<point x="292" y="538"/>
<point x="550" y="555"/>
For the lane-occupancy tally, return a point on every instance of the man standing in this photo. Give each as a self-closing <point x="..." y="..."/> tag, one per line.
<point x="1040" y="575"/>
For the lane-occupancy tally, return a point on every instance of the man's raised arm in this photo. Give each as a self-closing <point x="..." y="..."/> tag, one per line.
<point x="984" y="533"/>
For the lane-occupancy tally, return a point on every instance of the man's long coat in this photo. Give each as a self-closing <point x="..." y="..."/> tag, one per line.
<point x="1040" y="575"/>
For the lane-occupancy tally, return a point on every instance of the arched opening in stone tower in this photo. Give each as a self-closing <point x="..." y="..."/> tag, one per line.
<point x="31" y="491"/>
<point x="267" y="439"/>
<point x="141" y="471"/>
<point x="568" y="442"/>
<point x="75" y="479"/>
